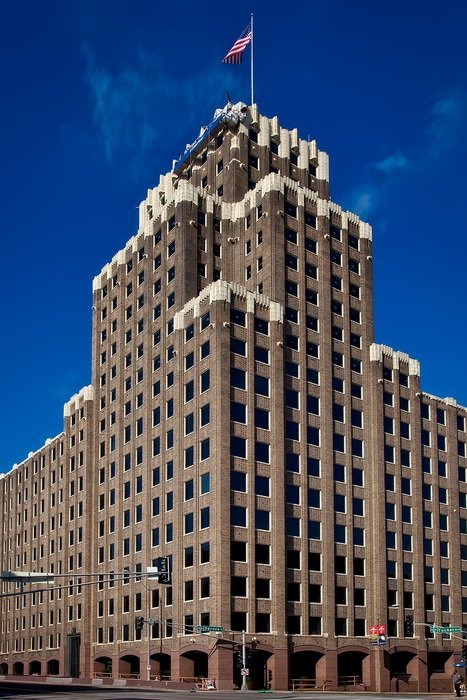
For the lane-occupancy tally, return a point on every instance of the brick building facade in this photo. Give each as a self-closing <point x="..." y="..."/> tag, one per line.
<point x="241" y="421"/>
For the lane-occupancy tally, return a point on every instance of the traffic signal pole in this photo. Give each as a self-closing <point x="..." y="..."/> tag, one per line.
<point x="148" y="649"/>
<point x="244" y="683"/>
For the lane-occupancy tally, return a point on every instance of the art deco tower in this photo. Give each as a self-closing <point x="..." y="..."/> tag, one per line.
<point x="242" y="422"/>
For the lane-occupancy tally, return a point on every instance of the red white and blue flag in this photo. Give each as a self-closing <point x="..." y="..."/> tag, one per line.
<point x="236" y="52"/>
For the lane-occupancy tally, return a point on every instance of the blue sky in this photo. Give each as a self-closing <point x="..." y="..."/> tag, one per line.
<point x="97" y="99"/>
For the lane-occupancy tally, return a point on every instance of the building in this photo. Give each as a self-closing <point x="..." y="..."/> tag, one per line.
<point x="242" y="422"/>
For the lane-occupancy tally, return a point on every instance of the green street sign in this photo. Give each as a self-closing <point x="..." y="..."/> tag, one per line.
<point x="209" y="628"/>
<point x="444" y="630"/>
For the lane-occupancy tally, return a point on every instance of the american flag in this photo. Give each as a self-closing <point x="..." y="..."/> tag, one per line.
<point x="236" y="52"/>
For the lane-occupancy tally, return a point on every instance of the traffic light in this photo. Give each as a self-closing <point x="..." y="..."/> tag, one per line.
<point x="269" y="675"/>
<point x="139" y="623"/>
<point x="464" y="652"/>
<point x="238" y="659"/>
<point x="248" y="655"/>
<point x="408" y="626"/>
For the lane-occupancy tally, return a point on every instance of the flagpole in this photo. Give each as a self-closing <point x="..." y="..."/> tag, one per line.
<point x="251" y="59"/>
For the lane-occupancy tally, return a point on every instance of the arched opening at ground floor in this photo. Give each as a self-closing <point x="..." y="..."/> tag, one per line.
<point x="303" y="667"/>
<point x="161" y="666"/>
<point x="350" y="668"/>
<point x="103" y="667"/>
<point x="35" y="668"/>
<point x="260" y="671"/>
<point x="3" y="669"/>
<point x="402" y="664"/>
<point x="129" y="666"/>
<point x="18" y="668"/>
<point x="194" y="665"/>
<point x="53" y="667"/>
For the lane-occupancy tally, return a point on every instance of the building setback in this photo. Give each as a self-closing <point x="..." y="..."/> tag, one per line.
<point x="242" y="422"/>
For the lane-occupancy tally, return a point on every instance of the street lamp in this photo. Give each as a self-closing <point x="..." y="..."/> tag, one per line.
<point x="26" y="577"/>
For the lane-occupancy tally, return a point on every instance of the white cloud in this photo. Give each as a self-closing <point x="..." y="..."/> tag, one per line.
<point x="446" y="127"/>
<point x="392" y="163"/>
<point x="364" y="200"/>
<point x="137" y="110"/>
<point x="444" y="132"/>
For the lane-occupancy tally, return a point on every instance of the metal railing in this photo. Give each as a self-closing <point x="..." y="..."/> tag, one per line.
<point x="309" y="684"/>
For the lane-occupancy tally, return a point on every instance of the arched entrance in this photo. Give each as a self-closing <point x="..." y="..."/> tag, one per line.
<point x="161" y="666"/>
<point x="103" y="667"/>
<point x="303" y="666"/>
<point x="35" y="668"/>
<point x="53" y="667"/>
<point x="18" y="668"/>
<point x="129" y="666"/>
<point x="400" y="670"/>
<point x="194" y="664"/>
<point x="4" y="669"/>
<point x="261" y="675"/>
<point x="440" y="668"/>
<point x="350" y="670"/>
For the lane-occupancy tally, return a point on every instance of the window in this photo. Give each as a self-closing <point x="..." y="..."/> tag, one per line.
<point x="425" y="410"/>
<point x="238" y="378"/>
<point x="261" y="385"/>
<point x="238" y="446"/>
<point x="293" y="526"/>
<point x="204" y="449"/>
<point x="204" y="483"/>
<point x="188" y="523"/>
<point x="189" y="391"/>
<point x="238" y="516"/>
<point x="238" y="481"/>
<point x="262" y="452"/>
<point x="290" y="235"/>
<point x="205" y="381"/>
<point x="204" y="517"/>
<point x="339" y="503"/>
<point x="406" y="487"/>
<point x="340" y="533"/>
<point x="262" y="519"/>
<point x="338" y="442"/>
<point x="336" y="257"/>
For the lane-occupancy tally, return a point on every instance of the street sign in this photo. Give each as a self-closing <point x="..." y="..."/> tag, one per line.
<point x="245" y="671"/>
<point x="208" y="628"/>
<point x="377" y="629"/>
<point x="444" y="630"/>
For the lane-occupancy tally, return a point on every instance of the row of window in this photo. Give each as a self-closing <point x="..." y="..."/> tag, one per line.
<point x="425" y="412"/>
